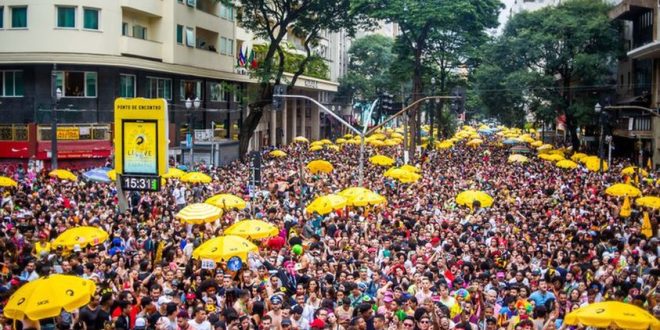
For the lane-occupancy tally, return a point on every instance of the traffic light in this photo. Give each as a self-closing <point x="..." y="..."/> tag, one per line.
<point x="458" y="103"/>
<point x="277" y="101"/>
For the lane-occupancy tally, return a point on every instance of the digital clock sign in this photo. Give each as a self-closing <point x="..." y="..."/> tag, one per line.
<point x="140" y="182"/>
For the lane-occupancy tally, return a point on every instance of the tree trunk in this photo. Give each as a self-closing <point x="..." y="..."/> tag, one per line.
<point x="570" y="126"/>
<point x="413" y="123"/>
<point x="251" y="122"/>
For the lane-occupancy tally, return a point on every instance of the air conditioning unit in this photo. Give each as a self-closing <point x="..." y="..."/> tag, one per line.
<point x="192" y="3"/>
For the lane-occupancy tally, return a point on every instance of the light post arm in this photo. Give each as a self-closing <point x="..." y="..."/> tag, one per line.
<point x="394" y="116"/>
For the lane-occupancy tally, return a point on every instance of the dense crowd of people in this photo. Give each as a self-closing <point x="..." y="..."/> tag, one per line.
<point x="551" y="242"/>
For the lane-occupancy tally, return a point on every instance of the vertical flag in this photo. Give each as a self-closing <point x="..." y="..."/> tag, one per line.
<point x="241" y="58"/>
<point x="625" y="209"/>
<point x="647" y="230"/>
<point x="252" y="61"/>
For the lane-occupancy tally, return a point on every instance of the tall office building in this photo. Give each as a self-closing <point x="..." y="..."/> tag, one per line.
<point x="94" y="51"/>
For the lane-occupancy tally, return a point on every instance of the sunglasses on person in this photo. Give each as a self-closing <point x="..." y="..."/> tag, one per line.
<point x="408" y="324"/>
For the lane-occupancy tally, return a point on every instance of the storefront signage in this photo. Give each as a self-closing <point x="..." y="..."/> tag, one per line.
<point x="68" y="133"/>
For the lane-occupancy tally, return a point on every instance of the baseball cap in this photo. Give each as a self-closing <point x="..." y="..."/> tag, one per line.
<point x="286" y="322"/>
<point x="140" y="323"/>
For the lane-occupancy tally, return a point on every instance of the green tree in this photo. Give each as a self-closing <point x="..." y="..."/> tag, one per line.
<point x="370" y="58"/>
<point x="424" y="26"/>
<point x="558" y="57"/>
<point x="274" y="20"/>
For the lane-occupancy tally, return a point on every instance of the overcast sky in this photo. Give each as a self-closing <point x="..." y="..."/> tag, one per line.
<point x="504" y="14"/>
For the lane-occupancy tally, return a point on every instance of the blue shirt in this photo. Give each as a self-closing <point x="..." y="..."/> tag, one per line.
<point x="540" y="298"/>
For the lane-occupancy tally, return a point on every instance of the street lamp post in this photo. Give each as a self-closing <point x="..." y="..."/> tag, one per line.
<point x="189" y="105"/>
<point x="599" y="111"/>
<point x="432" y="115"/>
<point x="53" y="126"/>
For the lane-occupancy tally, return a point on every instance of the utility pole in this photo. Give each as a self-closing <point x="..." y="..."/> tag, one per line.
<point x="56" y="97"/>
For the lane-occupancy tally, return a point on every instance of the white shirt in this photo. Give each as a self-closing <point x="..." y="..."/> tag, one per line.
<point x="205" y="325"/>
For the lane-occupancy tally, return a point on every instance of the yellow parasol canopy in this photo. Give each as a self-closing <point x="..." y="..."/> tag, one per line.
<point x="649" y="201"/>
<point x="544" y="147"/>
<point x="410" y="168"/>
<point x="517" y="158"/>
<point x="632" y="170"/>
<point x="300" y="139"/>
<point x="340" y="141"/>
<point x="536" y="144"/>
<point x="594" y="165"/>
<point x="444" y="144"/>
<point x="381" y="160"/>
<point x="227" y="202"/>
<point x="623" y="189"/>
<point x="612" y="314"/>
<point x="577" y="156"/>
<point x="326" y="204"/>
<point x="172" y="172"/>
<point x="47" y="296"/>
<point x="468" y="197"/>
<point x="196" y="177"/>
<point x="277" y="153"/>
<point x="7" y="182"/>
<point x="567" y="164"/>
<point x="81" y="236"/>
<point x="252" y="229"/>
<point x="199" y="213"/>
<point x="402" y="175"/>
<point x="320" y="165"/>
<point x="315" y="148"/>
<point x="551" y="157"/>
<point x="224" y="247"/>
<point x="376" y="143"/>
<point x="475" y="142"/>
<point x="358" y="196"/>
<point x="63" y="175"/>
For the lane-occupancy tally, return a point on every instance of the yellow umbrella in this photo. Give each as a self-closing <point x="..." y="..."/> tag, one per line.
<point x="649" y="201"/>
<point x="316" y="143"/>
<point x="468" y="197"/>
<point x="410" y="168"/>
<point x="594" y="165"/>
<point x="577" y="156"/>
<point x="332" y="147"/>
<point x="396" y="135"/>
<point x="7" y="182"/>
<point x="586" y="159"/>
<point x="252" y="229"/>
<point x="474" y="142"/>
<point x="277" y="153"/>
<point x="224" y="247"/>
<point x="632" y="170"/>
<point x="568" y="164"/>
<point x="444" y="145"/>
<point x="227" y="202"/>
<point x="348" y="136"/>
<point x="325" y="141"/>
<point x="391" y="142"/>
<point x="300" y="139"/>
<point x="378" y="136"/>
<point x="358" y="196"/>
<point x="319" y="165"/>
<point x="81" y="236"/>
<point x="172" y="172"/>
<point x="551" y="157"/>
<point x="46" y="297"/>
<point x="326" y="204"/>
<point x="196" y="177"/>
<point x="63" y="175"/>
<point x="612" y="314"/>
<point x="340" y="141"/>
<point x="381" y="160"/>
<point x="377" y="143"/>
<point x="556" y="152"/>
<point x="622" y="189"/>
<point x="402" y="175"/>
<point x="517" y="158"/>
<point x="199" y="213"/>
<point x="315" y="148"/>
<point x="536" y="144"/>
<point x="544" y="147"/>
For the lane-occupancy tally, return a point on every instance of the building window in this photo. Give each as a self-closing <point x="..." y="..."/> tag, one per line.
<point x="2" y="17"/>
<point x="66" y="17"/>
<point x="190" y="89"/>
<point x="126" y="85"/>
<point x="139" y="32"/>
<point x="226" y="46"/>
<point x="218" y="92"/>
<point x="190" y="37"/>
<point x="159" y="88"/>
<point x="91" y="19"/>
<point x="179" y="34"/>
<point x="77" y="83"/>
<point x="11" y="83"/>
<point x="227" y="12"/>
<point x="18" y="17"/>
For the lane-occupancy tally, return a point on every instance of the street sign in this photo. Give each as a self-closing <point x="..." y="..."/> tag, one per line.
<point x="140" y="182"/>
<point x="141" y="146"/>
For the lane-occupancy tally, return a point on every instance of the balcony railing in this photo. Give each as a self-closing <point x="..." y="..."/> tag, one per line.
<point x="635" y="124"/>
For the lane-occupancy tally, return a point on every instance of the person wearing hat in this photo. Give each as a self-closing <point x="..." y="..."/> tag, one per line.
<point x="276" y="310"/>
